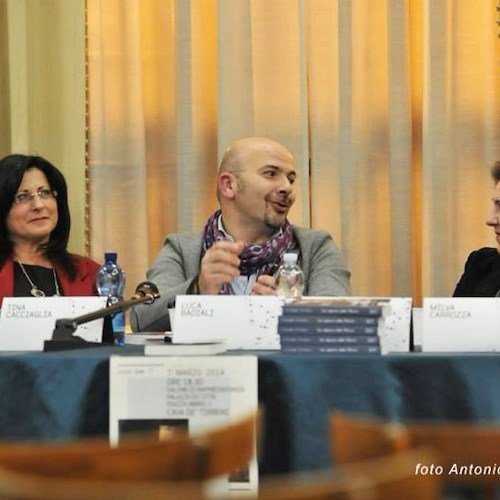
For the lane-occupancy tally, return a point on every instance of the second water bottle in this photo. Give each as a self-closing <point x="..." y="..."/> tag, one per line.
<point x="290" y="278"/>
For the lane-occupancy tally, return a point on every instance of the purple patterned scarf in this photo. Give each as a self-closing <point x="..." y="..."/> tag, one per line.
<point x="264" y="258"/>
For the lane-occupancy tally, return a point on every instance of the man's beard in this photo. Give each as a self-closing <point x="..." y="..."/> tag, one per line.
<point x="270" y="217"/>
<point x="271" y="220"/>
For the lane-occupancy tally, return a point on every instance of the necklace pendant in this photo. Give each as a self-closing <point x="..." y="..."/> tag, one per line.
<point x="36" y="292"/>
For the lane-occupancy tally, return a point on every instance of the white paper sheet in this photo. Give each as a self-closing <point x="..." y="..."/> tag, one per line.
<point x="195" y="393"/>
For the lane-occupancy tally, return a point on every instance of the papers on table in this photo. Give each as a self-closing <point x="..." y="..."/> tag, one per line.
<point x="154" y="393"/>
<point x="195" y="349"/>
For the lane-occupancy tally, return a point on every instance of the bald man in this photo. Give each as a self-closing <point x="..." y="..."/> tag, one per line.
<point x="242" y="244"/>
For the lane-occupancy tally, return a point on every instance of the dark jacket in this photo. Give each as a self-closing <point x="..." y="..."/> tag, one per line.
<point x="481" y="277"/>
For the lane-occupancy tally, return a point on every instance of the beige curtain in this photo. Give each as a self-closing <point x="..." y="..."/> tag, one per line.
<point x="461" y="135"/>
<point x="391" y="108"/>
<point x="42" y="91"/>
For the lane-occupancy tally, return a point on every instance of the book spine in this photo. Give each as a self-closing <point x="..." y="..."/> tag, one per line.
<point x="356" y="311"/>
<point x="306" y="340"/>
<point x="329" y="320"/>
<point x="308" y="329"/>
<point x="355" y="349"/>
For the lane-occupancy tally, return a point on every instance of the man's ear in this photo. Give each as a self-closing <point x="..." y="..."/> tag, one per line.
<point x="227" y="185"/>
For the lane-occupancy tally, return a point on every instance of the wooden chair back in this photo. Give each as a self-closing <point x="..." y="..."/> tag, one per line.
<point x="230" y="447"/>
<point x="359" y="438"/>
<point x="467" y="452"/>
<point x="179" y="457"/>
<point x="16" y="485"/>
<point x="386" y="478"/>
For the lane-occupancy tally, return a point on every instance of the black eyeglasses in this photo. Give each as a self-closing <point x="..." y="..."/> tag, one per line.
<point x="43" y="194"/>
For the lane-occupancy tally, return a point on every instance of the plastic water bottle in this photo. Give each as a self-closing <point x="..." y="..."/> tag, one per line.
<point x="290" y="278"/>
<point x="110" y="283"/>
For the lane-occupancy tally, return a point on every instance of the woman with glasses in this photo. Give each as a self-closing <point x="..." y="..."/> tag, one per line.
<point x="34" y="232"/>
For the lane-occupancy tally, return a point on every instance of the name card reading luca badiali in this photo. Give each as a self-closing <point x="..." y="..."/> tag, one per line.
<point x="26" y="322"/>
<point x="461" y="325"/>
<point x="241" y="321"/>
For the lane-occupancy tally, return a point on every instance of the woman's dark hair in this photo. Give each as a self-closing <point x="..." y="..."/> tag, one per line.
<point x="12" y="170"/>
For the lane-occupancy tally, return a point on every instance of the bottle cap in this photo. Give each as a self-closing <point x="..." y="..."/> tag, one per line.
<point x="110" y="257"/>
<point x="290" y="258"/>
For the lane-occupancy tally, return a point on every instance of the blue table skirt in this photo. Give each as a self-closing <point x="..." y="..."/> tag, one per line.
<point x="64" y="395"/>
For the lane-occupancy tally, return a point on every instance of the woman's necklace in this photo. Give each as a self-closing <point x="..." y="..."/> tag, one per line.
<point x="35" y="291"/>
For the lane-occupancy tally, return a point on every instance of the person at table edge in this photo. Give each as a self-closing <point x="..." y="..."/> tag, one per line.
<point x="242" y="244"/>
<point x="481" y="276"/>
<point x="34" y="231"/>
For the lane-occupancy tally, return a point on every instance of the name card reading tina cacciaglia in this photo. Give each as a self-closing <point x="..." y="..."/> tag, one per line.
<point x="26" y="322"/>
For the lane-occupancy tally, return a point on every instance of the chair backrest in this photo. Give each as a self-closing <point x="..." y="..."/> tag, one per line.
<point x="358" y="438"/>
<point x="390" y="477"/>
<point x="179" y="457"/>
<point x="468" y="452"/>
<point x="230" y="447"/>
<point x="16" y="485"/>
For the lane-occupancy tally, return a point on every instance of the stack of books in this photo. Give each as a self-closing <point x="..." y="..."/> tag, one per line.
<point x="332" y="326"/>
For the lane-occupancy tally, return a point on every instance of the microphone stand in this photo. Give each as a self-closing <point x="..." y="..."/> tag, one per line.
<point x="62" y="336"/>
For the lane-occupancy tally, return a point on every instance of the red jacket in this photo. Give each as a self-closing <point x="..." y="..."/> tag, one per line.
<point x="83" y="284"/>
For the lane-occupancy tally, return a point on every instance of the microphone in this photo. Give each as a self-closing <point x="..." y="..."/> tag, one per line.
<point x="146" y="292"/>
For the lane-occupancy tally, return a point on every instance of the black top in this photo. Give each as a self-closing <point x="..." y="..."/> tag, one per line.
<point x="42" y="278"/>
<point x="481" y="277"/>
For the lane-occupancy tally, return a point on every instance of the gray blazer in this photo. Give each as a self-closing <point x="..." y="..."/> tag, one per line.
<point x="178" y="264"/>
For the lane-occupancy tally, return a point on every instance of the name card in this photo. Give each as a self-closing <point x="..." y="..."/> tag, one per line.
<point x="241" y="321"/>
<point x="26" y="322"/>
<point x="196" y="394"/>
<point x="461" y="325"/>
